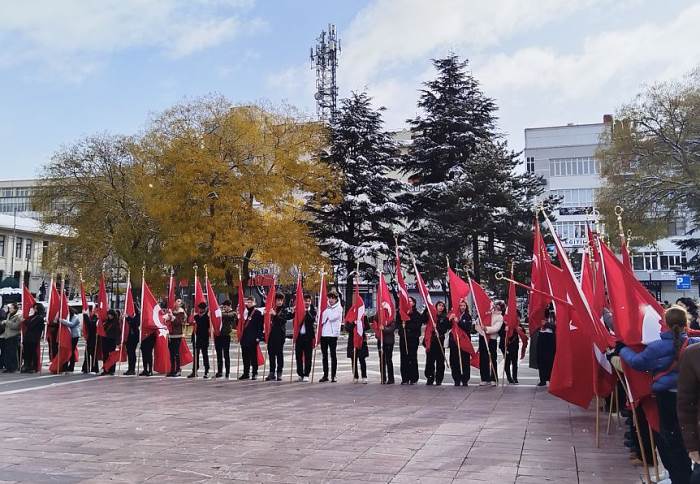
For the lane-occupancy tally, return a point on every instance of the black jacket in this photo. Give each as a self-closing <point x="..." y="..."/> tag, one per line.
<point x="202" y="321"/>
<point x="442" y="324"/>
<point x="133" y="324"/>
<point x="228" y="321"/>
<point x="278" y="328"/>
<point x="33" y="328"/>
<point x="413" y="326"/>
<point x="387" y="336"/>
<point x="308" y="324"/>
<point x="113" y="329"/>
<point x="464" y="323"/>
<point x="361" y="352"/>
<point x="252" y="328"/>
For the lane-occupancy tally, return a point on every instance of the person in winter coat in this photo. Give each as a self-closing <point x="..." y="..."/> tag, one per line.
<point x="276" y="339"/>
<point x="330" y="331"/>
<point x="460" y="370"/>
<point x="11" y="337"/>
<point x="109" y="342"/>
<point x="305" y="340"/>
<point x="249" y="339"/>
<point x="176" y="320"/>
<point x="73" y="323"/>
<point x="689" y="405"/>
<point x="488" y="354"/>
<point x="33" y="329"/>
<point x="409" y="335"/>
<point x="132" y="340"/>
<point x="90" y="336"/>
<point x="435" y="356"/>
<point x="546" y="346"/>
<point x="660" y="358"/>
<point x="693" y="311"/>
<point x="511" y="353"/>
<point x="200" y="340"/>
<point x="360" y="354"/>
<point x="222" y="343"/>
<point x="385" y="348"/>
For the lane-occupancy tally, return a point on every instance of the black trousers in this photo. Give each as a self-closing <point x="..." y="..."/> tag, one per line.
<point x="2" y="352"/>
<point x="70" y="364"/>
<point x="222" y="345"/>
<point x="362" y="360"/>
<point x="511" y="361"/>
<point x="174" y="349"/>
<point x="10" y="353"/>
<point x="131" y="345"/>
<point x="487" y="367"/>
<point x="460" y="376"/>
<point x="303" y="354"/>
<point x="670" y="443"/>
<point x="545" y="355"/>
<point x="30" y="355"/>
<point x="329" y="344"/>
<point x="89" y="355"/>
<point x="147" y="346"/>
<point x="386" y="352"/>
<point x="275" y="353"/>
<point x="108" y="346"/>
<point x="201" y="346"/>
<point x="434" y="364"/>
<point x="408" y="350"/>
<point x="249" y="353"/>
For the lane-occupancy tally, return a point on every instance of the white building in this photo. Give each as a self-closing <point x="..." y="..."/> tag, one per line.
<point x="565" y="157"/>
<point x="15" y="197"/>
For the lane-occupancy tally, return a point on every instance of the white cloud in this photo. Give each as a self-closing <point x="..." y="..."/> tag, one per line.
<point x="75" y="32"/>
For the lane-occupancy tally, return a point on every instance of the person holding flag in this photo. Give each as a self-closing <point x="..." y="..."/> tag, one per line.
<point x="434" y="343"/>
<point x="305" y="340"/>
<point x="488" y="335"/>
<point x="11" y="337"/>
<point x="355" y="325"/>
<point x="460" y="342"/>
<point x="546" y="346"/>
<point x="330" y="331"/>
<point x="384" y="326"/>
<point x="176" y="319"/>
<point x="33" y="329"/>
<point x="409" y="336"/>
<point x="514" y="335"/>
<point x="90" y="337"/>
<point x="200" y="340"/>
<point x="275" y="340"/>
<point x="73" y="322"/>
<point x="148" y="343"/>
<point x="133" y="324"/>
<point x="249" y="338"/>
<point x="113" y="332"/>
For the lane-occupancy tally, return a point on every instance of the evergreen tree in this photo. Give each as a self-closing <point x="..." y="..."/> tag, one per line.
<point x="469" y="201"/>
<point x="357" y="224"/>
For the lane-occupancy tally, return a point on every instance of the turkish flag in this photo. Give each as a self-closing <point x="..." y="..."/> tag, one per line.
<point x="65" y="350"/>
<point x="299" y="310"/>
<point x="198" y="298"/>
<point x="269" y="306"/>
<point x="185" y="354"/>
<point x="102" y="307"/>
<point x="432" y="312"/>
<point x="464" y="341"/>
<point x="54" y="304"/>
<point x="459" y="290"/>
<point x="511" y="317"/>
<point x="386" y="312"/>
<point x="538" y="302"/>
<point x="119" y="354"/>
<point x="261" y="357"/>
<point x="483" y="303"/>
<point x="28" y="302"/>
<point x="404" y="303"/>
<point x="152" y="321"/>
<point x="356" y="315"/>
<point x="214" y="310"/>
<point x="242" y="311"/>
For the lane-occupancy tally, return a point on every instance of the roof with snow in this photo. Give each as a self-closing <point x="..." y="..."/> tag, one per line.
<point x="31" y="226"/>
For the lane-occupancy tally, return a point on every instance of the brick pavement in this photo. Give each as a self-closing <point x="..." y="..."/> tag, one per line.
<point x="120" y="429"/>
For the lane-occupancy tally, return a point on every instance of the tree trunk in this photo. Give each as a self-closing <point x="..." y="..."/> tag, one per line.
<point x="476" y="268"/>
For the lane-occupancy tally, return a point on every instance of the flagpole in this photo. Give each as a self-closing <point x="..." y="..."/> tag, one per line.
<point x="143" y="284"/>
<point x="597" y="422"/>
<point x="505" y="343"/>
<point x="211" y="323"/>
<point x="121" y="341"/>
<point x="653" y="451"/>
<point x="318" y="325"/>
<point x="59" y="365"/>
<point x="291" y="367"/>
<point x="456" y="333"/>
<point x="630" y="398"/>
<point x="238" y="336"/>
<point x="354" y="348"/>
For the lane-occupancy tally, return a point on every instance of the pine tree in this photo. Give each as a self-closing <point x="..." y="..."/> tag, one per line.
<point x="357" y="224"/>
<point x="469" y="201"/>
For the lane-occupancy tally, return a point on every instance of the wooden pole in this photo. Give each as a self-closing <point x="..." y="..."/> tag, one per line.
<point x="381" y="356"/>
<point x="318" y="324"/>
<point x="459" y="353"/>
<point x="647" y="476"/>
<point x="121" y="341"/>
<point x="653" y="452"/>
<point x="354" y="363"/>
<point x="612" y="405"/>
<point x="291" y="367"/>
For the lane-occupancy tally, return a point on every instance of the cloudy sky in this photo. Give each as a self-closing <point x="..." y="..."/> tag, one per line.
<point x="69" y="68"/>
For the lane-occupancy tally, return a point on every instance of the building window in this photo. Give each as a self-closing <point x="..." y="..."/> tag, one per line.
<point x="573" y="233"/>
<point x="638" y="262"/>
<point x="45" y="250"/>
<point x="18" y="248"/>
<point x="576" y="197"/>
<point x="530" y="164"/>
<point x="673" y="262"/>
<point x="28" y="249"/>
<point x="586" y="165"/>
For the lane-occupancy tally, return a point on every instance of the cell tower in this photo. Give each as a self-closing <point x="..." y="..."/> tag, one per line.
<point x="324" y="58"/>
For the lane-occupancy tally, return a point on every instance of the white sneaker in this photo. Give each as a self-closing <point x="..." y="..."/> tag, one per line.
<point x="493" y="383"/>
<point x="300" y="378"/>
<point x="484" y="384"/>
<point x="303" y="378"/>
<point x="364" y="381"/>
<point x="355" y="380"/>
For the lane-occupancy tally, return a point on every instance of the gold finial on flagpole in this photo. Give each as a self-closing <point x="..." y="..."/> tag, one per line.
<point x="618" y="213"/>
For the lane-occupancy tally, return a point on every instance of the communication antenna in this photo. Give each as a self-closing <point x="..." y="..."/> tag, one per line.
<point x="324" y="58"/>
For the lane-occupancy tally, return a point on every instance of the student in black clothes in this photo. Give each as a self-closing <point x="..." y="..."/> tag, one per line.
<point x="409" y="334"/>
<point x="463" y="321"/>
<point x="275" y="341"/>
<point x="132" y="340"/>
<point x="359" y="355"/>
<point x="109" y="342"/>
<point x="305" y="340"/>
<point x="249" y="339"/>
<point x="385" y="349"/>
<point x="222" y="343"/>
<point x="546" y="346"/>
<point x="200" y="340"/>
<point x="90" y="336"/>
<point x="435" y="358"/>
<point x="33" y="329"/>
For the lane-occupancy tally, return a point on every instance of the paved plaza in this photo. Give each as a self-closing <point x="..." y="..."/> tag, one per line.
<point x="92" y="429"/>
